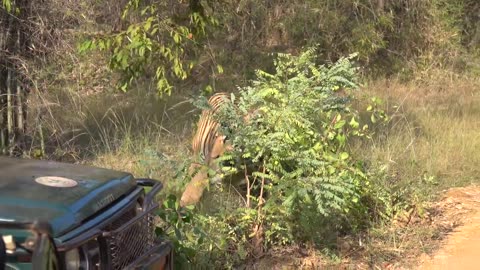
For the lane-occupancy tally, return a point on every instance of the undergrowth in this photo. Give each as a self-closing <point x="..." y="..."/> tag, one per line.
<point x="430" y="143"/>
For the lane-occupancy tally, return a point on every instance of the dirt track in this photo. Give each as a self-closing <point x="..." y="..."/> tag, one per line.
<point x="461" y="249"/>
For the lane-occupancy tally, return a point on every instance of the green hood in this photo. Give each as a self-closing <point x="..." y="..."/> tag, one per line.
<point x="64" y="203"/>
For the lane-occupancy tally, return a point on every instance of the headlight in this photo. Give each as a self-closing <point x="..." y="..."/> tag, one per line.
<point x="73" y="259"/>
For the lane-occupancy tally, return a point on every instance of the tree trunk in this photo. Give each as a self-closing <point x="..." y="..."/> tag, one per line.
<point x="12" y="91"/>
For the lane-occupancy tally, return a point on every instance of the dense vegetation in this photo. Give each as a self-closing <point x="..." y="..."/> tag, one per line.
<point x="322" y="164"/>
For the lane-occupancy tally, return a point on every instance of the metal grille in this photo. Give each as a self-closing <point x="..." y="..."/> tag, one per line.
<point x="129" y="237"/>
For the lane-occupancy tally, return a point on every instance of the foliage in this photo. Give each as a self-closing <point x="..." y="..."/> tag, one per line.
<point x="7" y="4"/>
<point x="468" y="21"/>
<point x="176" y="223"/>
<point x="155" y="41"/>
<point x="293" y="147"/>
<point x="389" y="36"/>
<point x="167" y="40"/>
<point x="291" y="131"/>
<point x="200" y="239"/>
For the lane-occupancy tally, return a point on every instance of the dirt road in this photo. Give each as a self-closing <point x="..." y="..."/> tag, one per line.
<point x="461" y="249"/>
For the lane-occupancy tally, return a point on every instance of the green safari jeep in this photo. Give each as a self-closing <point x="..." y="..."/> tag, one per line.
<point x="65" y="216"/>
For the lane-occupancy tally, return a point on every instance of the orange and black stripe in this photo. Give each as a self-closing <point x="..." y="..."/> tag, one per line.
<point x="207" y="133"/>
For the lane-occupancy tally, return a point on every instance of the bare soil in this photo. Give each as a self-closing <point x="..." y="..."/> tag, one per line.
<point x="461" y="248"/>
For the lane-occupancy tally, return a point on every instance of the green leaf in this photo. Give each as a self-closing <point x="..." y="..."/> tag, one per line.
<point x="8" y="5"/>
<point x="220" y="69"/>
<point x="341" y="139"/>
<point x="124" y="87"/>
<point x="339" y="124"/>
<point x="344" y="155"/>
<point x="176" y="37"/>
<point x="148" y="24"/>
<point x="353" y="123"/>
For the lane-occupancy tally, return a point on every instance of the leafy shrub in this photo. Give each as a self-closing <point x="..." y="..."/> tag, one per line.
<point x="291" y="131"/>
<point x="293" y="148"/>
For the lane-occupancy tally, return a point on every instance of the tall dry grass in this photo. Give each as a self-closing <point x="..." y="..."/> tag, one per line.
<point x="431" y="143"/>
<point x="434" y="134"/>
<point x="134" y="132"/>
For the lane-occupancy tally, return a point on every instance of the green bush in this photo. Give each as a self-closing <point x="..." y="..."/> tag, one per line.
<point x="293" y="149"/>
<point x="291" y="131"/>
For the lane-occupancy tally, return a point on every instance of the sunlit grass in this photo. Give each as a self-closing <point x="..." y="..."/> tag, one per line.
<point x="133" y="132"/>
<point x="435" y="130"/>
<point x="149" y="151"/>
<point x="432" y="143"/>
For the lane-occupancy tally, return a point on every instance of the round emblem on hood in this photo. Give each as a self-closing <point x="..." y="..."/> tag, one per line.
<point x="56" y="181"/>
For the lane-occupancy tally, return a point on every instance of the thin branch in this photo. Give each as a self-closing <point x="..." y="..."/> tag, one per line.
<point x="248" y="185"/>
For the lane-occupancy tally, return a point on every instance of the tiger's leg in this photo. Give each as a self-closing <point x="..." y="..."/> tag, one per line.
<point x="194" y="189"/>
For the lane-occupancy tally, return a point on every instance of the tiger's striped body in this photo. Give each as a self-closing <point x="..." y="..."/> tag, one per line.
<point x="208" y="143"/>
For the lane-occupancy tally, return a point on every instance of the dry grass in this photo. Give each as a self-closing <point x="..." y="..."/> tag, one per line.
<point x="432" y="143"/>
<point x="434" y="133"/>
<point x="133" y="132"/>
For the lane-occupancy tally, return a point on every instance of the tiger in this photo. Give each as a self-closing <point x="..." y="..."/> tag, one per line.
<point x="207" y="144"/>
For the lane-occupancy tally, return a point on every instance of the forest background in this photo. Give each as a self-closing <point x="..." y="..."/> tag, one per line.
<point x="111" y="83"/>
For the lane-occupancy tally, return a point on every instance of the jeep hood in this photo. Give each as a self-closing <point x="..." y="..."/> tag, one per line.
<point x="62" y="194"/>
